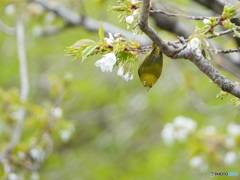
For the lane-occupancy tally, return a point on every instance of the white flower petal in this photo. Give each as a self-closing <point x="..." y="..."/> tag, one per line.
<point x="135" y="12"/>
<point x="206" y="21"/>
<point x="129" y="19"/>
<point x="109" y="41"/>
<point x="126" y="77"/>
<point x="110" y="36"/>
<point x="120" y="71"/>
<point x="131" y="77"/>
<point x="178" y="130"/>
<point x="65" y="135"/>
<point x="118" y="35"/>
<point x="184" y="122"/>
<point x="230" y="158"/>
<point x="10" y="9"/>
<point x="56" y="112"/>
<point x="194" y="43"/>
<point x="167" y="134"/>
<point x="196" y="161"/>
<point x="37" y="153"/>
<point x="13" y="176"/>
<point x="107" y="62"/>
<point x="233" y="129"/>
<point x="134" y="2"/>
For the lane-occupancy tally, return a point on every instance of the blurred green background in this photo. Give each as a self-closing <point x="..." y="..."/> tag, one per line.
<point x="117" y="124"/>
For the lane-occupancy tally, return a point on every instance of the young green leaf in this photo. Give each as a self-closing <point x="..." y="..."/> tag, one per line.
<point x="207" y="54"/>
<point x="236" y="33"/>
<point x="86" y="52"/>
<point x="101" y="32"/>
<point x="222" y="95"/>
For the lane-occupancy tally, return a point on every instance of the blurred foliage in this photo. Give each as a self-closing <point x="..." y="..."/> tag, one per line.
<point x="116" y="125"/>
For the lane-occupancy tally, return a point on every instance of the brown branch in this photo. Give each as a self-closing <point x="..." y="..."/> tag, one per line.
<point x="202" y="64"/>
<point x="151" y="33"/>
<point x="6" y="29"/>
<point x="73" y="19"/>
<point x="224" y="83"/>
<point x="227" y="2"/>
<point x="180" y="15"/>
<point x="24" y="89"/>
<point x="64" y="13"/>
<point x="227" y="51"/>
<point x="229" y="31"/>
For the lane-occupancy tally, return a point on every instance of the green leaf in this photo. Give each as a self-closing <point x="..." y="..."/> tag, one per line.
<point x="101" y="32"/>
<point x="82" y="43"/>
<point x="236" y="33"/>
<point x="86" y="52"/>
<point x="222" y="95"/>
<point x="207" y="54"/>
<point x="235" y="101"/>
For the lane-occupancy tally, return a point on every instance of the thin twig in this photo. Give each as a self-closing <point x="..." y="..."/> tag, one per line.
<point x="227" y="51"/>
<point x="24" y="81"/>
<point x="229" y="31"/>
<point x="227" y="2"/>
<point x="6" y="29"/>
<point x="217" y="34"/>
<point x="202" y="64"/>
<point x="181" y="15"/>
<point x="73" y="19"/>
<point x="67" y="15"/>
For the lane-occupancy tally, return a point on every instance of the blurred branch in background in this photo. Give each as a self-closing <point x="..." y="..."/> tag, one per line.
<point x="24" y="86"/>
<point x="227" y="2"/>
<point x="200" y="61"/>
<point x="73" y="19"/>
<point x="230" y="62"/>
<point x="118" y="126"/>
<point x="6" y="29"/>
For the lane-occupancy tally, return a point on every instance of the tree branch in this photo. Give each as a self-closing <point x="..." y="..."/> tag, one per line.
<point x="227" y="51"/>
<point x="64" y="13"/>
<point x="88" y="23"/>
<point x="6" y="29"/>
<point x="180" y="15"/>
<point x="227" y="2"/>
<point x="201" y="63"/>
<point x="24" y="89"/>
<point x="224" y="83"/>
<point x="230" y="62"/>
<point x="151" y="33"/>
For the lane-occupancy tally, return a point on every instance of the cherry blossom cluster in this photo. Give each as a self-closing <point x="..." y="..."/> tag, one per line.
<point x="113" y="58"/>
<point x="130" y="11"/>
<point x="178" y="130"/>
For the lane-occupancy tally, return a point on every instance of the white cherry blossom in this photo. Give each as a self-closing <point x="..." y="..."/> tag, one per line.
<point x="194" y="43"/>
<point x="131" y="77"/>
<point x="233" y="129"/>
<point x="197" y="162"/>
<point x="126" y="76"/>
<point x="206" y="21"/>
<point x="10" y="9"/>
<point x="109" y="40"/>
<point x="129" y="19"/>
<point x="107" y="62"/>
<point x="120" y="71"/>
<point x="230" y="158"/>
<point x="179" y="129"/>
<point x="134" y="1"/>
